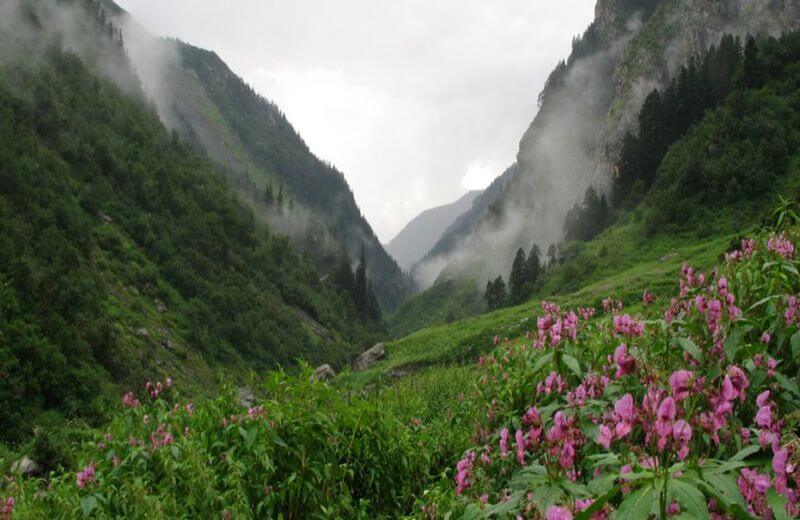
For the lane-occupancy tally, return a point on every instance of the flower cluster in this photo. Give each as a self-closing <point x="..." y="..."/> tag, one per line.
<point x="780" y="245"/>
<point x="555" y="326"/>
<point x="86" y="476"/>
<point x="7" y="508"/>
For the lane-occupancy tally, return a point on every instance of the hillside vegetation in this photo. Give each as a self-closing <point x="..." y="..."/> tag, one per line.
<point x="124" y="255"/>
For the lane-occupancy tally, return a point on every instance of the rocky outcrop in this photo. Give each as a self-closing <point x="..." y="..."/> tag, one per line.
<point x="323" y="373"/>
<point x="25" y="467"/>
<point x="369" y="358"/>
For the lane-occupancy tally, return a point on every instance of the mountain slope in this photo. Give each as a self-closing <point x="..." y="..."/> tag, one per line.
<point x="591" y="100"/>
<point x="589" y="103"/>
<point x="262" y="155"/>
<point x="123" y="254"/>
<point x="422" y="233"/>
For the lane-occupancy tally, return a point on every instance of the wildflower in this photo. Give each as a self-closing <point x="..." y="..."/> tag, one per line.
<point x="681" y="383"/>
<point x="673" y="509"/>
<point x="484" y="498"/>
<point x="623" y="410"/>
<point x="682" y="433"/>
<point x="86" y="476"/>
<point x="7" y="508"/>
<point x="559" y="513"/>
<point x="504" y="443"/>
<point x="791" y="310"/>
<point x="628" y="326"/>
<point x="463" y="469"/>
<point x="648" y="298"/>
<point x="521" y="445"/>
<point x="765" y="338"/>
<point x="605" y="437"/>
<point x="130" y="400"/>
<point x="781" y="245"/>
<point x="625" y="362"/>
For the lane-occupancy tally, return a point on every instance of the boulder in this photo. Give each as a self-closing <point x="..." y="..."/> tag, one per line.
<point x="369" y="358"/>
<point x="25" y="467"/>
<point x="323" y="373"/>
<point x="246" y="397"/>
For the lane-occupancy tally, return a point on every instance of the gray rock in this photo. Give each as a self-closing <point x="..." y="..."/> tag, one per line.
<point x="25" y="467"/>
<point x="167" y="344"/>
<point x="143" y="333"/>
<point x="369" y="358"/>
<point x="246" y="396"/>
<point x="160" y="307"/>
<point x="323" y="373"/>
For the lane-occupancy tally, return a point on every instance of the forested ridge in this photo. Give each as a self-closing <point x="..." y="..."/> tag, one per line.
<point x="124" y="254"/>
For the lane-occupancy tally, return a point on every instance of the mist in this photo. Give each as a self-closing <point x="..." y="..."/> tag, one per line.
<point x="575" y="140"/>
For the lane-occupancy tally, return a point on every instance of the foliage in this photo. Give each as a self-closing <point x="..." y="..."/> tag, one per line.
<point x="687" y="411"/>
<point x="105" y="218"/>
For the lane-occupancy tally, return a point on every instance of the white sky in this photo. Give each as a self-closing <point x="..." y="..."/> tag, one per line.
<point x="415" y="101"/>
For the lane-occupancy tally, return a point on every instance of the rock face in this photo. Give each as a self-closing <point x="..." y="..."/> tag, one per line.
<point x="323" y="373"/>
<point x="246" y="396"/>
<point x="25" y="467"/>
<point x="369" y="358"/>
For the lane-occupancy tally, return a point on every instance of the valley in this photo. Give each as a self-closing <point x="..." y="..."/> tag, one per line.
<point x="197" y="321"/>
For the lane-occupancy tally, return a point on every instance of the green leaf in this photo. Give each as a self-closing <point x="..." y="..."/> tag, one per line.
<point x="602" y="484"/>
<point x="777" y="503"/>
<point x="795" y="341"/>
<point x="638" y="504"/>
<point x="689" y="497"/>
<point x="572" y="364"/>
<point x="88" y="504"/>
<point x="598" y="504"/>
<point x="690" y="347"/>
<point x="731" y="344"/>
<point x="542" y="361"/>
<point x="787" y="384"/>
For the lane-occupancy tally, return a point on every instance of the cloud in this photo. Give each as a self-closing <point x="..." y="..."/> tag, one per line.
<point x="407" y="98"/>
<point x="479" y="175"/>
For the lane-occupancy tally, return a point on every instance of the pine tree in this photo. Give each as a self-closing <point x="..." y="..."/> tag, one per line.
<point x="500" y="293"/>
<point x="551" y="255"/>
<point x="534" y="264"/>
<point x="518" y="277"/>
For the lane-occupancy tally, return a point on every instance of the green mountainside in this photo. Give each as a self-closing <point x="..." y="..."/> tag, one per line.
<point x="262" y="156"/>
<point x="125" y="255"/>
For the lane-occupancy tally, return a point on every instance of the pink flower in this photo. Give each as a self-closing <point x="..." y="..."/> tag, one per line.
<point x="625" y="362"/>
<point x="567" y="458"/>
<point x="681" y="384"/>
<point x="605" y="436"/>
<point x="521" y="445"/>
<point x="130" y="400"/>
<point x="628" y="326"/>
<point x="504" y="443"/>
<point x="623" y="410"/>
<point x="559" y="513"/>
<point x="7" y="508"/>
<point x="765" y="338"/>
<point x="673" y="509"/>
<point x="463" y="469"/>
<point x="86" y="476"/>
<point x="484" y="498"/>
<point x="764" y="417"/>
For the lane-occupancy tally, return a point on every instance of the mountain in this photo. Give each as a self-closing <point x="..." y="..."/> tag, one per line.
<point x="424" y="230"/>
<point x="124" y="254"/>
<point x="263" y="157"/>
<point x="589" y="103"/>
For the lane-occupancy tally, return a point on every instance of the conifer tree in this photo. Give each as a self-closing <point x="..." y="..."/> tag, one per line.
<point x="519" y="277"/>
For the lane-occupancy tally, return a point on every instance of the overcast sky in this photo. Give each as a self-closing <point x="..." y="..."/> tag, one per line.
<point x="415" y="101"/>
